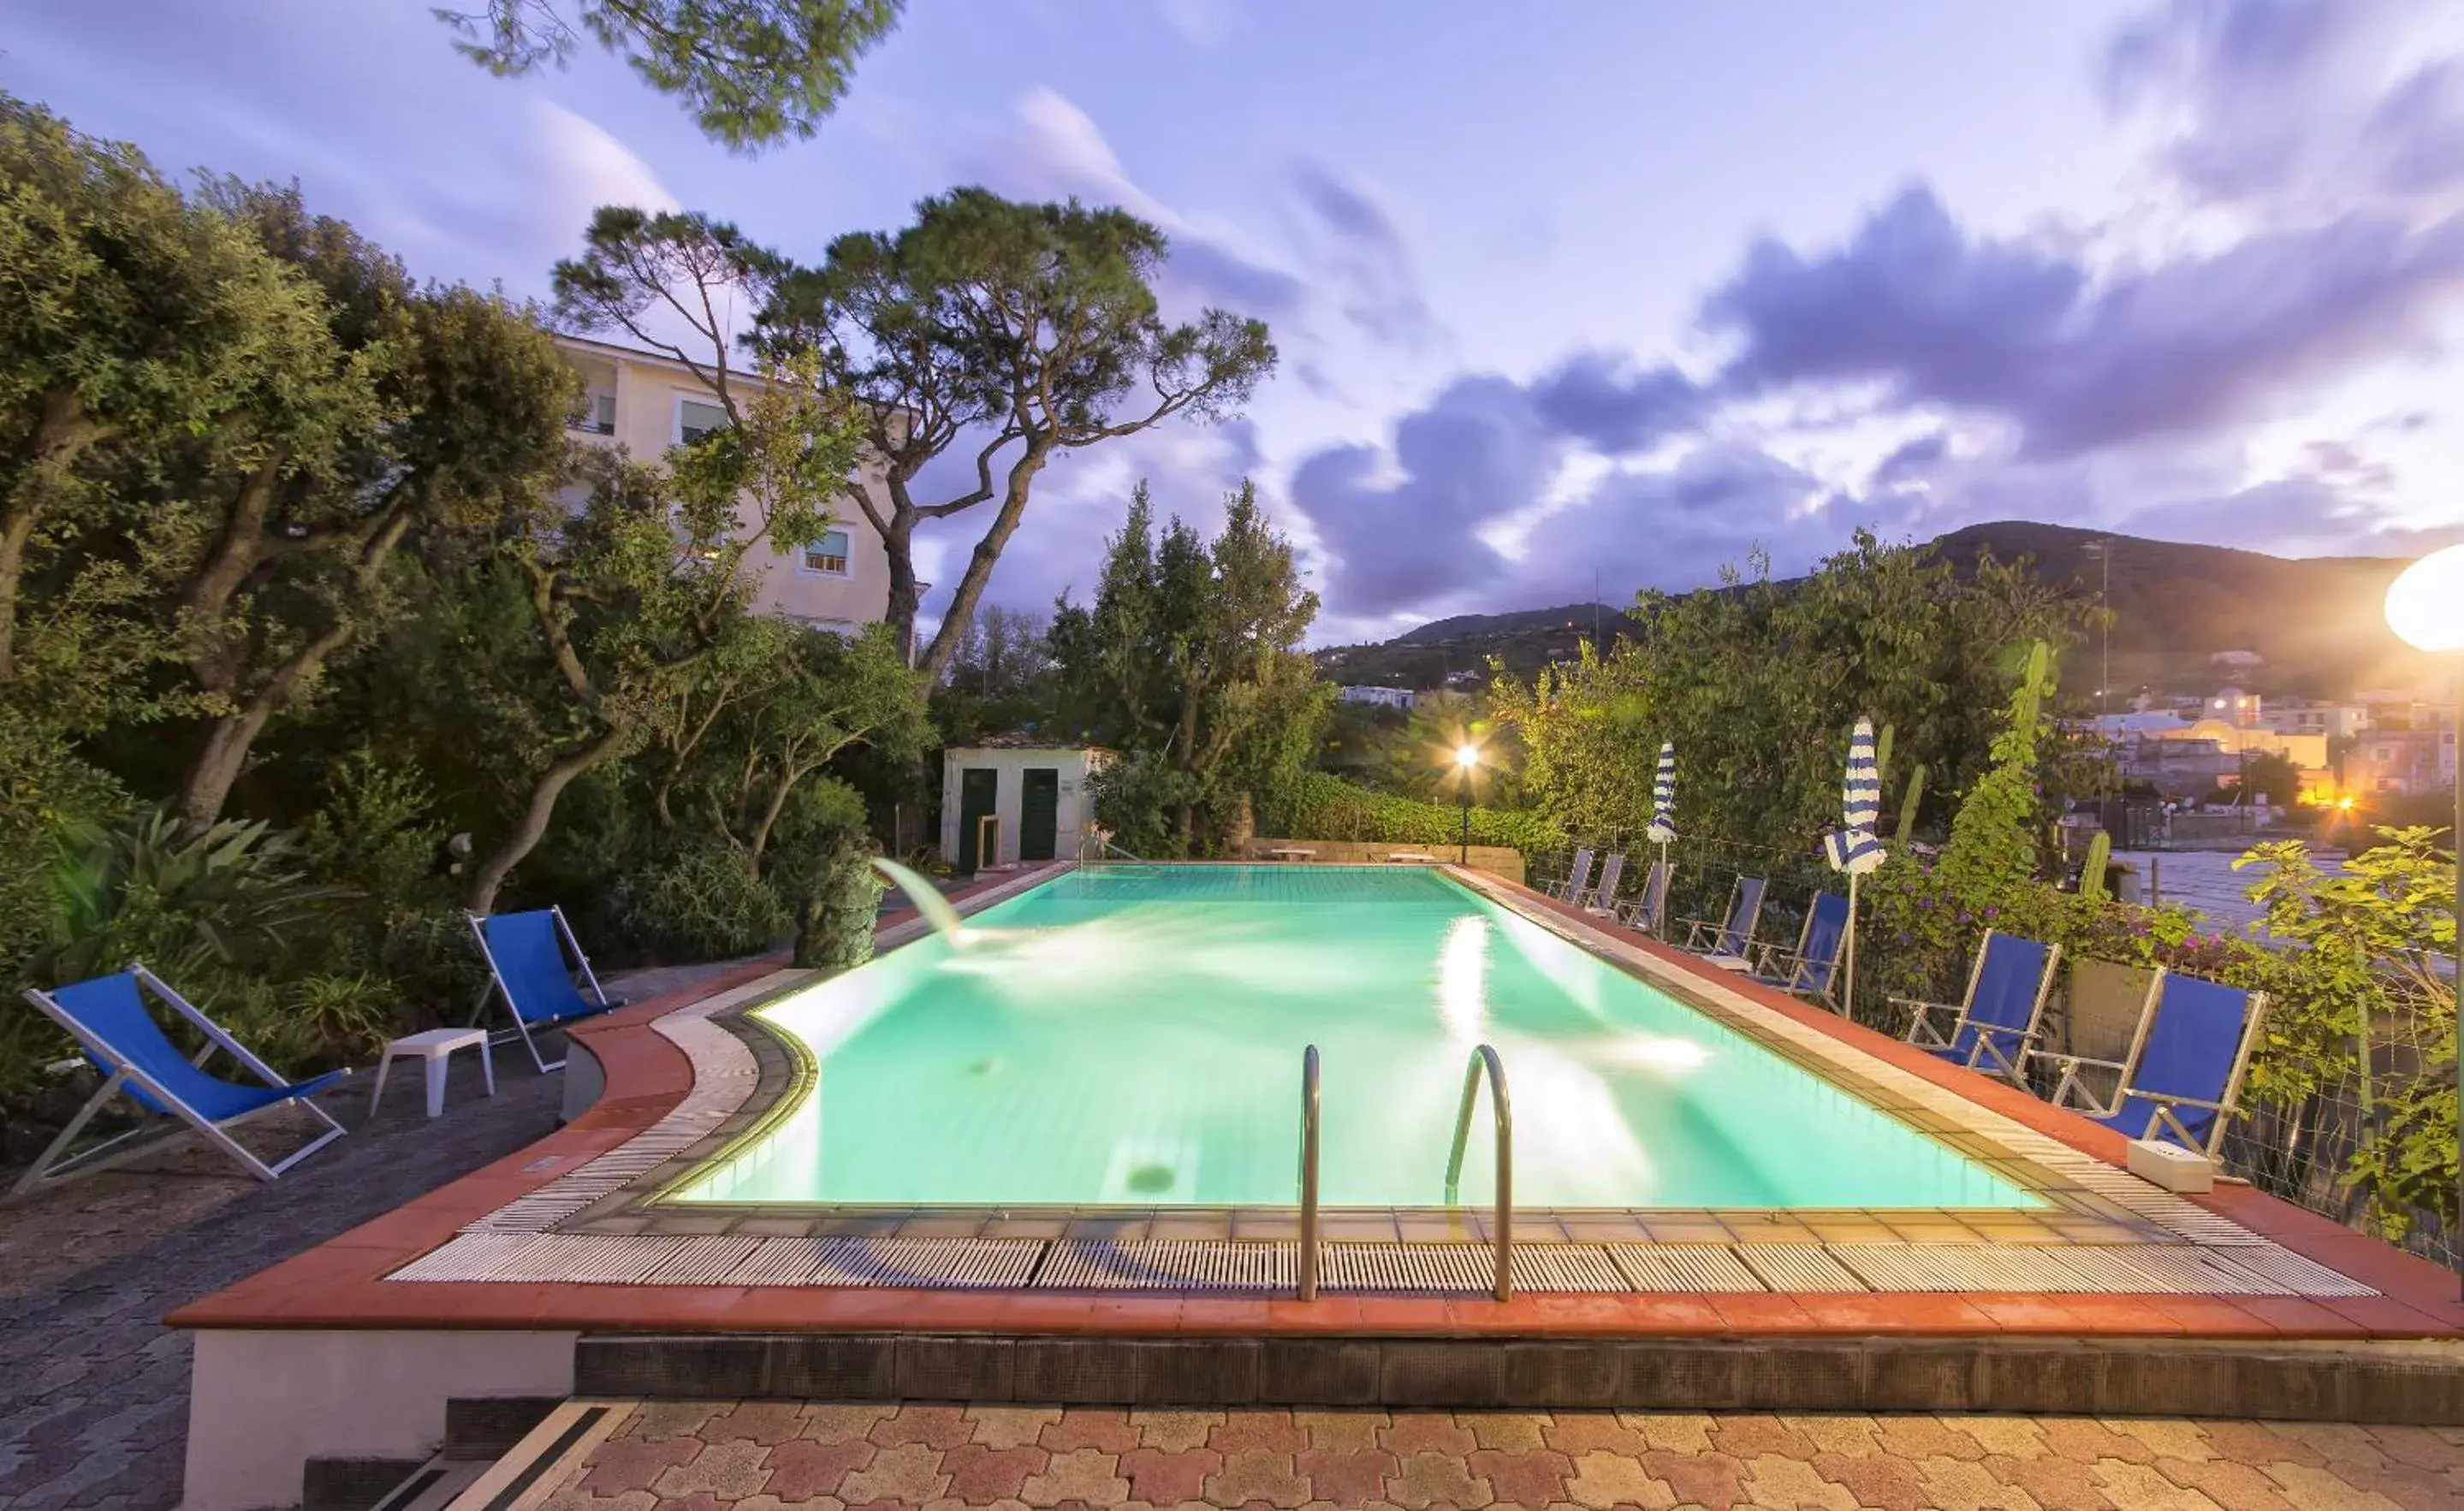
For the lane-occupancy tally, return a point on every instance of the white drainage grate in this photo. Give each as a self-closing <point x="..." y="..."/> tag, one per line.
<point x="784" y="1262"/>
<point x="1168" y="1264"/>
<point x="2186" y="1271"/>
<point x="1961" y="1267"/>
<point x="1682" y="1267"/>
<point x="585" y="1259"/>
<point x="701" y="1262"/>
<point x="1561" y="1267"/>
<point x="931" y="1263"/>
<point x="464" y="1257"/>
<point x="2298" y="1274"/>
<point x="1796" y="1267"/>
<point x="1409" y="1268"/>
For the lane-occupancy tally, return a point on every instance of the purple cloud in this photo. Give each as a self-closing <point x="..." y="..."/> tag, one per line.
<point x="1365" y="259"/>
<point x="2004" y="327"/>
<point x="1608" y="401"/>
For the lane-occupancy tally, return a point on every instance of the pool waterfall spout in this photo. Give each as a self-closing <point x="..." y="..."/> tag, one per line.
<point x="925" y="897"/>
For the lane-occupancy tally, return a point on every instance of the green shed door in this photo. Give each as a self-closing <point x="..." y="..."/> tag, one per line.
<point x="1039" y="814"/>
<point x="977" y="787"/>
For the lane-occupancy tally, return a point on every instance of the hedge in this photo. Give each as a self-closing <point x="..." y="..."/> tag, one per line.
<point x="1327" y="807"/>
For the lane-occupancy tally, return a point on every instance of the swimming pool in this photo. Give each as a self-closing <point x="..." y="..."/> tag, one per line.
<point x="1133" y="1036"/>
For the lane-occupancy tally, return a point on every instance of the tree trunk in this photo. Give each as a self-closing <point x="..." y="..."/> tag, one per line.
<point x="239" y="547"/>
<point x="60" y="435"/>
<point x="899" y="545"/>
<point x="980" y="565"/>
<point x="16" y="530"/>
<point x="482" y="895"/>
<point x="231" y="735"/>
<point x="759" y="842"/>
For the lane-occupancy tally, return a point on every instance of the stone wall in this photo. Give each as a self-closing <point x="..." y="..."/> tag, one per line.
<point x="1494" y="859"/>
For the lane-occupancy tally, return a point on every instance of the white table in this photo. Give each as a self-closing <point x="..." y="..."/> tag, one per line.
<point x="1293" y="853"/>
<point x="1411" y="858"/>
<point x="434" y="1048"/>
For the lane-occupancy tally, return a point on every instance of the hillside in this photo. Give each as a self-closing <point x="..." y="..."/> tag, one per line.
<point x="2314" y="622"/>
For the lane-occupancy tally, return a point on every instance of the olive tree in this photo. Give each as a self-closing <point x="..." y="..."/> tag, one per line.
<point x="440" y="403"/>
<point x="1019" y="331"/>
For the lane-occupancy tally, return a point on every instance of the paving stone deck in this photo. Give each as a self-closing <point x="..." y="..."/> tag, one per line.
<point x="94" y="1389"/>
<point x="770" y="1456"/>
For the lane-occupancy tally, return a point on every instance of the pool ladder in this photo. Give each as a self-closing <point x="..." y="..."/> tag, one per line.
<point x="1502" y="1110"/>
<point x="1484" y="1058"/>
<point x="1307" y="1287"/>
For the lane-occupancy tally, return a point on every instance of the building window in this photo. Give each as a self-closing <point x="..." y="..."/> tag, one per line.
<point x="695" y="419"/>
<point x="597" y="414"/>
<point x="828" y="557"/>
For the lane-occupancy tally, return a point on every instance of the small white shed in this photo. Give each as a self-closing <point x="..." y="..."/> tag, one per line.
<point x="1025" y="804"/>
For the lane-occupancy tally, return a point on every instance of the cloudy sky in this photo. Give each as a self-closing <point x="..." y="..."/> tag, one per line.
<point x="1611" y="289"/>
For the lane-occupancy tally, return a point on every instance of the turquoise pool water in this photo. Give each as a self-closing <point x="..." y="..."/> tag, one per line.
<point x="1134" y="1035"/>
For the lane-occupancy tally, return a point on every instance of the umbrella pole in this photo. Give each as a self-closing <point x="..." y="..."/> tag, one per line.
<point x="1848" y="948"/>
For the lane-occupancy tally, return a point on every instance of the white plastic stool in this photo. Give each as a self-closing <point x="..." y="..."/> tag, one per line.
<point x="436" y="1048"/>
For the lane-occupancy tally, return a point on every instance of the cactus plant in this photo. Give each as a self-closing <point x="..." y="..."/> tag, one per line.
<point x="1883" y="752"/>
<point x="2100" y="855"/>
<point x="1909" y="801"/>
<point x="2033" y="684"/>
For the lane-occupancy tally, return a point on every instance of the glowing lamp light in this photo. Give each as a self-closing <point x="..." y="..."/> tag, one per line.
<point x="1467" y="757"/>
<point x="2344" y="803"/>
<point x="2425" y="604"/>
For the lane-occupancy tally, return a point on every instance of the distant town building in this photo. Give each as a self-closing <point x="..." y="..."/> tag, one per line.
<point x="1381" y="697"/>
<point x="2180" y="767"/>
<point x="2401" y="762"/>
<point x="2185" y="751"/>
<point x="2236" y="658"/>
<point x="2310" y="716"/>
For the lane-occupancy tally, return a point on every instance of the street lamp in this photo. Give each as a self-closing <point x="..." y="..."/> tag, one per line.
<point x="2425" y="607"/>
<point x="1466" y="761"/>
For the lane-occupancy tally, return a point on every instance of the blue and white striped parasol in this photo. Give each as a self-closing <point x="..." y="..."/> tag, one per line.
<point x="1852" y="847"/>
<point x="1663" y="796"/>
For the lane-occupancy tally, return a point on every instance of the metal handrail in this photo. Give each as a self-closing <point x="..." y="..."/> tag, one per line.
<point x="1102" y="846"/>
<point x="1308" y="1287"/>
<point x="1484" y="1056"/>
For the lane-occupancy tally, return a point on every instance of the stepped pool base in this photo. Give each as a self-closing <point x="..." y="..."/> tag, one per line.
<point x="567" y="1268"/>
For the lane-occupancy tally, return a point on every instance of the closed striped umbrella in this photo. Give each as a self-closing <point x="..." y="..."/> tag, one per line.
<point x="1663" y="796"/>
<point x="1852" y="847"/>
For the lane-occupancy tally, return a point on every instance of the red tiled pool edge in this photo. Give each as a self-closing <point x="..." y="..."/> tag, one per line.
<point x="339" y="1285"/>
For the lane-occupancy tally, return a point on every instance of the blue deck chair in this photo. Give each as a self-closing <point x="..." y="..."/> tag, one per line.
<point x="1579" y="881"/>
<point x="1729" y="942"/>
<point x="1603" y="898"/>
<point x="1649" y="913"/>
<point x="1814" y="965"/>
<point x="526" y="958"/>
<point x="1994" y="1029"/>
<point x="2182" y="1078"/>
<point x="109" y="1018"/>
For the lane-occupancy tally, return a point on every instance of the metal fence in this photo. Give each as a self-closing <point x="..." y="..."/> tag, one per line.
<point x="2300" y="1152"/>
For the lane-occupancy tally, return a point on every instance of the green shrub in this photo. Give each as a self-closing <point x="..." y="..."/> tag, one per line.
<point x="1330" y="808"/>
<point x="703" y="904"/>
<point x="234" y="898"/>
<point x="376" y="835"/>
